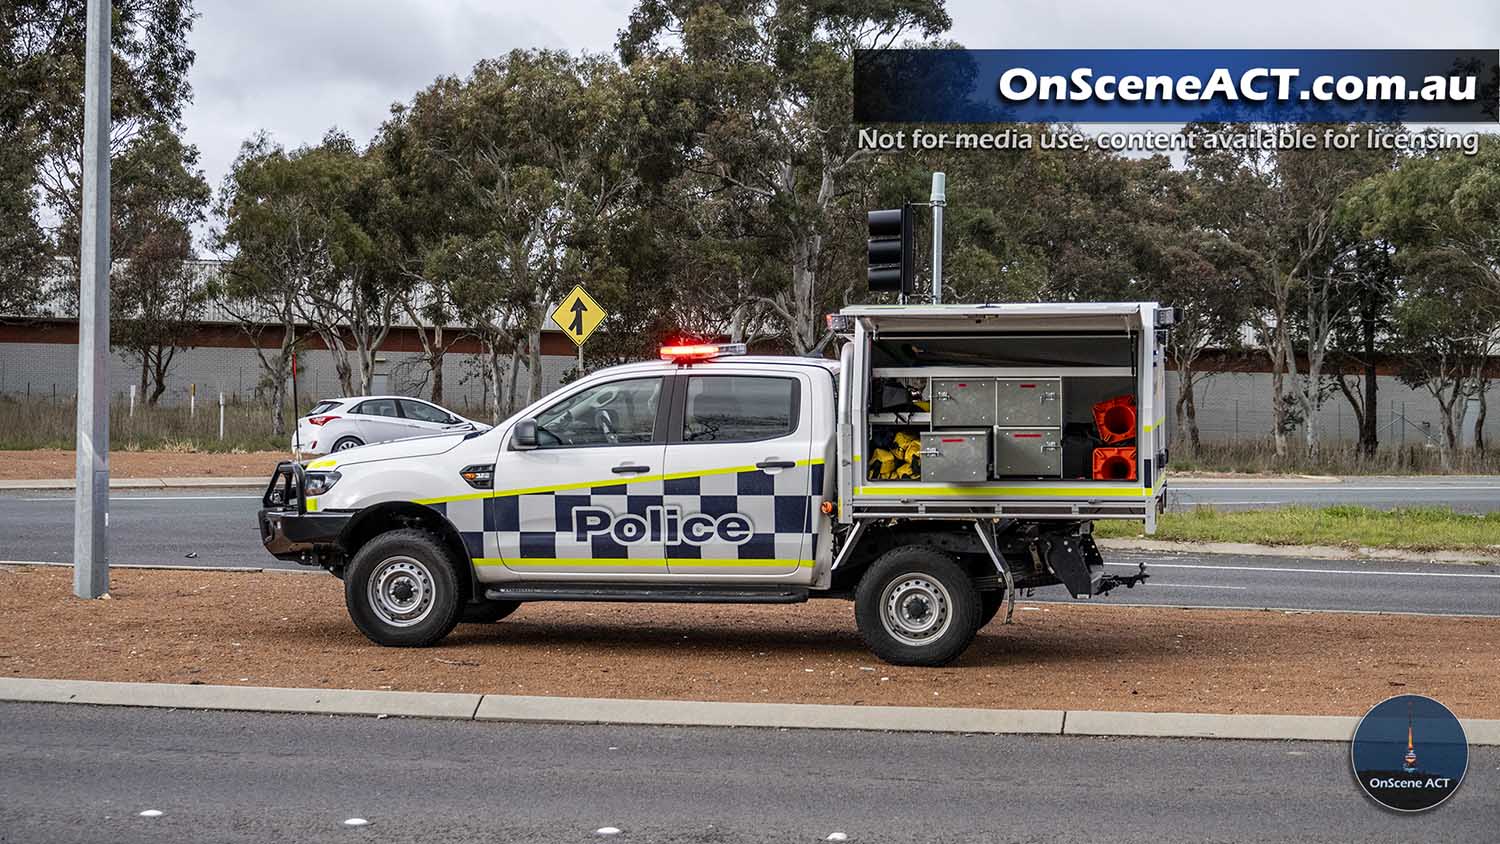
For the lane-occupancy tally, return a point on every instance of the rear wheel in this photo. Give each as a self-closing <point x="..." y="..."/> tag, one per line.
<point x="346" y="443"/>
<point x="402" y="589"/>
<point x="486" y="612"/>
<point x="917" y="606"/>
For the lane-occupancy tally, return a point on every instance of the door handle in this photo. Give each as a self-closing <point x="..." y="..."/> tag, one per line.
<point x="630" y="469"/>
<point x="776" y="464"/>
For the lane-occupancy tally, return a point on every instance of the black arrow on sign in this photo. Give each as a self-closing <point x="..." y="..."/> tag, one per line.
<point x="579" y="309"/>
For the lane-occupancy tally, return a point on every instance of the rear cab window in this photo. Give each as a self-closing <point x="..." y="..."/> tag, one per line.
<point x="740" y="408"/>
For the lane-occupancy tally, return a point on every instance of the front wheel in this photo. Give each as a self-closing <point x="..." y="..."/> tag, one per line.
<point x="917" y="606"/>
<point x="402" y="589"/>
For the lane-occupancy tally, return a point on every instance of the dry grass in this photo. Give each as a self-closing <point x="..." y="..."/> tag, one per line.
<point x="1259" y="457"/>
<point x="41" y="423"/>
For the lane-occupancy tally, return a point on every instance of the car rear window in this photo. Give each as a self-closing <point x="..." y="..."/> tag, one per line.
<point x="378" y="407"/>
<point x="322" y="407"/>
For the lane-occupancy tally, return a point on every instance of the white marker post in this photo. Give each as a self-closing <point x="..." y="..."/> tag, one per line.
<point x="132" y="401"/>
<point x="221" y="415"/>
<point x="91" y="470"/>
<point x="939" y="200"/>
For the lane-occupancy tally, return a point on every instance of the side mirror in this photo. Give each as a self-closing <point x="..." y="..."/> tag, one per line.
<point x="523" y="438"/>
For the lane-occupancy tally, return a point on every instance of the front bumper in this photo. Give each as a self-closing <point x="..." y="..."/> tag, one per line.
<point x="297" y="537"/>
<point x="287" y="530"/>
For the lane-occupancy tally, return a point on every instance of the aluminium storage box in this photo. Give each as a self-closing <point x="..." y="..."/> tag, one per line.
<point x="1028" y="402"/>
<point x="1028" y="453"/>
<point x="956" y="455"/>
<point x="968" y="402"/>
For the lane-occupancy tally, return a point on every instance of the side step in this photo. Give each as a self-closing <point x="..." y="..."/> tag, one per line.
<point x="647" y="593"/>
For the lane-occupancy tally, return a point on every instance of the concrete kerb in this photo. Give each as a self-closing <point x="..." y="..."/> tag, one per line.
<point x="689" y="713"/>
<point x="241" y="698"/>
<point x="1203" y="725"/>
<point x="565" y="710"/>
<point x="139" y="483"/>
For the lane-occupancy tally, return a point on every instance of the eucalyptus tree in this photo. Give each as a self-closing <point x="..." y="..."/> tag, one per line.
<point x="42" y="42"/>
<point x="758" y="98"/>
<point x="157" y="291"/>
<point x="531" y="160"/>
<point x="1440" y="214"/>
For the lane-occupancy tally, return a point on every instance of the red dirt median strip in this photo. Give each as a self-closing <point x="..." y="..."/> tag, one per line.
<point x="272" y="630"/>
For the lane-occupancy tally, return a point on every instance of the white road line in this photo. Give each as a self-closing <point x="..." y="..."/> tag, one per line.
<point x="1110" y="602"/>
<point x="1227" y="503"/>
<point x="114" y="498"/>
<point x="1150" y="566"/>
<point x="1161" y="585"/>
<point x="1351" y="488"/>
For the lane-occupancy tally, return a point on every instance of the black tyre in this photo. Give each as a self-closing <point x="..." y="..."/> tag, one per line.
<point x="402" y="589"/>
<point x="486" y="612"/>
<point x="346" y="443"/>
<point x="917" y="606"/>
<point x="990" y="602"/>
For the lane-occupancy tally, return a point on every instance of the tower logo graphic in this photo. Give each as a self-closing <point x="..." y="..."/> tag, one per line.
<point x="1386" y="758"/>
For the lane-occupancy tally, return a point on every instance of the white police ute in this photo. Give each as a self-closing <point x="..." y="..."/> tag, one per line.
<point x="951" y="456"/>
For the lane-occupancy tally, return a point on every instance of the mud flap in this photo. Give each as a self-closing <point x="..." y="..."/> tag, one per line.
<point x="1075" y="561"/>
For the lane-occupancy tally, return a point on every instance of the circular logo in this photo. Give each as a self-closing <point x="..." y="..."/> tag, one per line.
<point x="1409" y="753"/>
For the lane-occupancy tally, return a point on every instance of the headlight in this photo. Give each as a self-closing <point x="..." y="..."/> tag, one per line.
<point x="320" y="482"/>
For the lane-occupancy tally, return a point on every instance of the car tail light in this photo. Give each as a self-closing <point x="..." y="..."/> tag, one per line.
<point x="321" y="420"/>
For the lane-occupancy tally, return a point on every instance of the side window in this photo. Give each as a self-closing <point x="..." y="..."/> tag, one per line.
<point x="377" y="407"/>
<point x="423" y="412"/>
<point x="616" y="413"/>
<point x="739" y="408"/>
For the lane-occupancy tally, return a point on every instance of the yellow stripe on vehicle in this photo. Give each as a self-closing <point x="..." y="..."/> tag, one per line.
<point x="312" y="505"/>
<point x="322" y="464"/>
<point x="657" y="562"/>
<point x="538" y="490"/>
<point x="1022" y="492"/>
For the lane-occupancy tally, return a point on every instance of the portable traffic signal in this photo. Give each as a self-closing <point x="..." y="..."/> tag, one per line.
<point x="891" y="252"/>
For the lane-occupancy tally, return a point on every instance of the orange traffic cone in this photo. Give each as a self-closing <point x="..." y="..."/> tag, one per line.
<point x="1114" y="464"/>
<point x="1115" y="419"/>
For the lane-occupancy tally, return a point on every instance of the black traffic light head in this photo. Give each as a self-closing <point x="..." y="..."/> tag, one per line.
<point x="891" y="253"/>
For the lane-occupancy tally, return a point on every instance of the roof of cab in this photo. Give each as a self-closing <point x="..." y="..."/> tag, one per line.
<point x="769" y="361"/>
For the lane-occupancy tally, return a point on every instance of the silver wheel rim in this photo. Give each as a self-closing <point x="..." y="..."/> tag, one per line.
<point x="401" y="591"/>
<point x="916" y="609"/>
<point x="346" y="445"/>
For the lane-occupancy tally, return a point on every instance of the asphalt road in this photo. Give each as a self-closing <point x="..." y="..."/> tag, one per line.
<point x="156" y="528"/>
<point x="1466" y="494"/>
<point x="72" y="773"/>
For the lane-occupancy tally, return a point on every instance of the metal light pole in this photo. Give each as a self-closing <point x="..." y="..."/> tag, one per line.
<point x="91" y="500"/>
<point x="939" y="199"/>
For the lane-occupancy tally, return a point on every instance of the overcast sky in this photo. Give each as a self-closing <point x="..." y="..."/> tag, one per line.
<point x="295" y="68"/>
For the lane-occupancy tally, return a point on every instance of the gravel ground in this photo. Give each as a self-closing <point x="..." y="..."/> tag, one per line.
<point x="49" y="464"/>
<point x="291" y="630"/>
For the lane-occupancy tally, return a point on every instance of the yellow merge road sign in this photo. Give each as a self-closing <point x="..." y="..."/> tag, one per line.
<point x="578" y="315"/>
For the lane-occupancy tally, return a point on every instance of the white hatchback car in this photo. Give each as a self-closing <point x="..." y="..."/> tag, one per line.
<point x="339" y="424"/>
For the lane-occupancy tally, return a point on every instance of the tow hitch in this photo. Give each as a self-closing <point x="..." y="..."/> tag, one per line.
<point x="1110" y="581"/>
